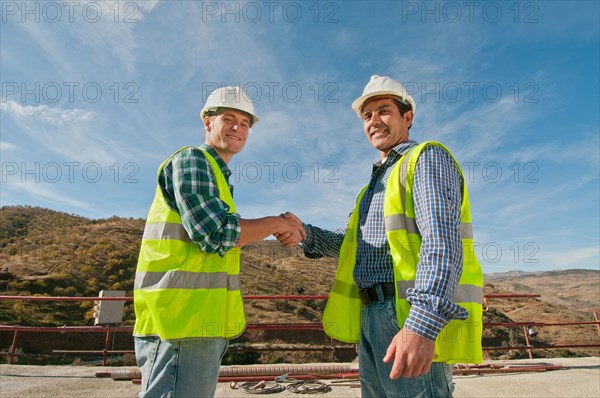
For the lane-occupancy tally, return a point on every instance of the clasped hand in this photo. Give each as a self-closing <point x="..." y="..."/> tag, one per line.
<point x="290" y="230"/>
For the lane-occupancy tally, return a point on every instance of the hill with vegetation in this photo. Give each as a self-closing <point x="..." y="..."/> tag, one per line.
<point x="49" y="253"/>
<point x="45" y="252"/>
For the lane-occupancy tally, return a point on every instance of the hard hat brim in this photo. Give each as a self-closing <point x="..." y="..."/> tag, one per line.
<point x="204" y="111"/>
<point x="360" y="101"/>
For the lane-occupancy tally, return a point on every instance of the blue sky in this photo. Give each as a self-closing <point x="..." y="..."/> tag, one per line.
<point x="95" y="95"/>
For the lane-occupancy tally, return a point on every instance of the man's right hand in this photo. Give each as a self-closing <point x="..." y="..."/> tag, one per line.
<point x="290" y="231"/>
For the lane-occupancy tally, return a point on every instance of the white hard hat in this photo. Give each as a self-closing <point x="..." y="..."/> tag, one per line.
<point x="232" y="97"/>
<point x="383" y="85"/>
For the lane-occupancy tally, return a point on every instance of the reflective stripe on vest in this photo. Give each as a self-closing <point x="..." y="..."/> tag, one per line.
<point x="166" y="230"/>
<point x="180" y="291"/>
<point x="186" y="280"/>
<point x="396" y="222"/>
<point x="459" y="341"/>
<point x="462" y="293"/>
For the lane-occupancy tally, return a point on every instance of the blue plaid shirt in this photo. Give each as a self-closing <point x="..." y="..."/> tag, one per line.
<point x="437" y="195"/>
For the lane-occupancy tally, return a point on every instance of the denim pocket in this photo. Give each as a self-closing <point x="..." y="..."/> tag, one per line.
<point x="146" y="349"/>
<point x="225" y="346"/>
<point x="448" y="377"/>
<point x="389" y="309"/>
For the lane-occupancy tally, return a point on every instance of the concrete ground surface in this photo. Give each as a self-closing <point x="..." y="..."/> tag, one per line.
<point x="579" y="377"/>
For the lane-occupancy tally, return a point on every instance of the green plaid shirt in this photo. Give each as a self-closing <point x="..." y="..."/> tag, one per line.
<point x="190" y="188"/>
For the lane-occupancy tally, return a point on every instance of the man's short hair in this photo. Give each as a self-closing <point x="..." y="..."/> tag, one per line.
<point x="402" y="108"/>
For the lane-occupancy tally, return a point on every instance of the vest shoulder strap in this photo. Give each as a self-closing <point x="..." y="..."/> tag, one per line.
<point x="224" y="191"/>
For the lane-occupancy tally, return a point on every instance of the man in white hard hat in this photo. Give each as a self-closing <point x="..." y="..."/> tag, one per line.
<point x="187" y="296"/>
<point x="408" y="287"/>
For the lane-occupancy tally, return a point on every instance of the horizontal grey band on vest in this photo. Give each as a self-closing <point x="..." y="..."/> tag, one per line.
<point x="166" y="230"/>
<point x="399" y="222"/>
<point x="466" y="230"/>
<point x="345" y="289"/>
<point x="462" y="293"/>
<point x="186" y="280"/>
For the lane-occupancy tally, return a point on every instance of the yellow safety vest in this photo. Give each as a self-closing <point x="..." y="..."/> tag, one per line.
<point x="459" y="341"/>
<point x="180" y="291"/>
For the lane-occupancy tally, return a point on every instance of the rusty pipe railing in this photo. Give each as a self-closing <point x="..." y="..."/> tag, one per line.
<point x="265" y="326"/>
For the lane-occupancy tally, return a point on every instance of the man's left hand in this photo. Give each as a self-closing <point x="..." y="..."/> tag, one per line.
<point x="412" y="354"/>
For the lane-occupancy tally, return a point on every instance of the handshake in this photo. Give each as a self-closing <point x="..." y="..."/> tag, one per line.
<point x="289" y="229"/>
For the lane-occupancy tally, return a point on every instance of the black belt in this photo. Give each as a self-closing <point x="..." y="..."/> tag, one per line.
<point x="369" y="295"/>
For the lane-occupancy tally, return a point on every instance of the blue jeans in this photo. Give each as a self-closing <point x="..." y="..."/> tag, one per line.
<point x="378" y="327"/>
<point x="179" y="369"/>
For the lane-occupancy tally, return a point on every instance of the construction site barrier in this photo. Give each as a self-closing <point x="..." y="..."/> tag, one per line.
<point x="262" y="326"/>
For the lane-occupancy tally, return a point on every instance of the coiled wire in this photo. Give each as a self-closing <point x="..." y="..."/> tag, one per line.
<point x="268" y="387"/>
<point x="309" y="387"/>
<point x="299" y="387"/>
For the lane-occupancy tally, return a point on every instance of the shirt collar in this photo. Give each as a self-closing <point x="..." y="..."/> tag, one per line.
<point x="222" y="165"/>
<point x="397" y="152"/>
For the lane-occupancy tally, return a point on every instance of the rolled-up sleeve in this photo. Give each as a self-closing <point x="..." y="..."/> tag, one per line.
<point x="205" y="217"/>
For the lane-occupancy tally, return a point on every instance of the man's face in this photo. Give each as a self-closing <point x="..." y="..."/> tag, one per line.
<point x="383" y="124"/>
<point x="227" y="132"/>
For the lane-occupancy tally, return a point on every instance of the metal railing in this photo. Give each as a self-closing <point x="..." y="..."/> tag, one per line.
<point x="298" y="326"/>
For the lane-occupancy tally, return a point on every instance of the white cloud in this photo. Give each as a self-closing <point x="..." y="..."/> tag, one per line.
<point x="207" y="50"/>
<point x="7" y="146"/>
<point x="146" y="5"/>
<point x="103" y="30"/>
<point x="69" y="133"/>
<point x="582" y="257"/>
<point x="273" y="131"/>
<point x="46" y="194"/>
<point x="53" y="116"/>
<point x="583" y="150"/>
